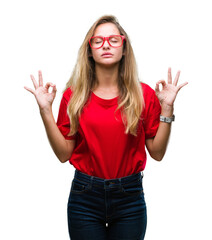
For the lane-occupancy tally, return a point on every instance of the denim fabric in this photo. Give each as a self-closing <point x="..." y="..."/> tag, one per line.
<point x="106" y="209"/>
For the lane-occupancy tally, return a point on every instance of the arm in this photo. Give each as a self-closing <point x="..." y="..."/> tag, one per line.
<point x="62" y="148"/>
<point x="157" y="146"/>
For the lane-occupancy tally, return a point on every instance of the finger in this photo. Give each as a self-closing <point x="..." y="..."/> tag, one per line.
<point x="40" y="78"/>
<point x="176" y="78"/>
<point x="181" y="85"/>
<point x="49" y="84"/>
<point x="34" y="81"/>
<point x="29" y="89"/>
<point x="169" y="76"/>
<point x="157" y="88"/>
<point x="163" y="82"/>
<point x="54" y="89"/>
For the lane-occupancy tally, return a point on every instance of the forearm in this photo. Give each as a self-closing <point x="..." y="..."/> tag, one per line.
<point x="157" y="146"/>
<point x="62" y="148"/>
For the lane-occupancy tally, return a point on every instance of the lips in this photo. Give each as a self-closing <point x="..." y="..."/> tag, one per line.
<point x="107" y="54"/>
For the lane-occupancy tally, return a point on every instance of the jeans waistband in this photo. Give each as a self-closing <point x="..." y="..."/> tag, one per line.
<point x="101" y="181"/>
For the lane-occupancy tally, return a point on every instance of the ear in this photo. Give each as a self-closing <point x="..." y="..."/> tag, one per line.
<point x="124" y="48"/>
<point x="123" y="53"/>
<point x="90" y="53"/>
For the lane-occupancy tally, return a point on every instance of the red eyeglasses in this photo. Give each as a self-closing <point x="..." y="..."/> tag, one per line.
<point x="114" y="41"/>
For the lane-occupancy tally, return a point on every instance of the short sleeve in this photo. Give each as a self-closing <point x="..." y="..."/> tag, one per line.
<point x="151" y="112"/>
<point x="63" y="121"/>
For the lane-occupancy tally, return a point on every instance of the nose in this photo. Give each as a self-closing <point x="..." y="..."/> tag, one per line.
<point x="106" y="44"/>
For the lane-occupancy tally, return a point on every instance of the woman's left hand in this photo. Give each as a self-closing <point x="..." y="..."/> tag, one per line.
<point x="169" y="90"/>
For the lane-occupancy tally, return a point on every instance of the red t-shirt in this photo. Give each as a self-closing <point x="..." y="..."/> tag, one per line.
<point x="102" y="148"/>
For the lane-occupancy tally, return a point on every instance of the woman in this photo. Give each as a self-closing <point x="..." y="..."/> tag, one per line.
<point x="106" y="118"/>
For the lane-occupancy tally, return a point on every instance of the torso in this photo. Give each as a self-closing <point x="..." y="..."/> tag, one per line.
<point x="103" y="149"/>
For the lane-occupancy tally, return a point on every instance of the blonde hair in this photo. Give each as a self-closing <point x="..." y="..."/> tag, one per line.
<point x="82" y="81"/>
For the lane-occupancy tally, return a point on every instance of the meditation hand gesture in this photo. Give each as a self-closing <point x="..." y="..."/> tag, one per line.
<point x="43" y="96"/>
<point x="169" y="90"/>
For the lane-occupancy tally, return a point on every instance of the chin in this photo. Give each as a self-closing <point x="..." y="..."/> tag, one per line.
<point x="107" y="64"/>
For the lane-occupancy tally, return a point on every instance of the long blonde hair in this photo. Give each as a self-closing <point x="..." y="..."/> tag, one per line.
<point x="82" y="82"/>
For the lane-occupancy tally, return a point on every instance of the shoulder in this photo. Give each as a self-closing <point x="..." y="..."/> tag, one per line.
<point x="67" y="94"/>
<point x="151" y="102"/>
<point x="148" y="92"/>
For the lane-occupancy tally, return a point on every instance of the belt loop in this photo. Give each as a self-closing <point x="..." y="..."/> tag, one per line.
<point x="91" y="183"/>
<point x="75" y="174"/>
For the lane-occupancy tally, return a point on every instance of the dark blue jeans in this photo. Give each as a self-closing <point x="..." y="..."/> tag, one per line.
<point x="106" y="209"/>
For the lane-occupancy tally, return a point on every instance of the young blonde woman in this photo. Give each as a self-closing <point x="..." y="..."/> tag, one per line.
<point x="105" y="120"/>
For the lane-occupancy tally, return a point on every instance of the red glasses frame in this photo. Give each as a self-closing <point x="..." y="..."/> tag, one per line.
<point x="107" y="38"/>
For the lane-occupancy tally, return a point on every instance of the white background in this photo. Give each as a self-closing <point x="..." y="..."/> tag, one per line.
<point x="46" y="35"/>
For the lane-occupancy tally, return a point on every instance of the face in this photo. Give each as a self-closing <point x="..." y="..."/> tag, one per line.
<point x="107" y="55"/>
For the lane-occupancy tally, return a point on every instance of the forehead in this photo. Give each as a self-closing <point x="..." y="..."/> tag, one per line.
<point x="106" y="29"/>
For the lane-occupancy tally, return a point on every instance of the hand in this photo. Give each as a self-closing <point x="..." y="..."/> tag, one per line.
<point x="169" y="90"/>
<point x="43" y="96"/>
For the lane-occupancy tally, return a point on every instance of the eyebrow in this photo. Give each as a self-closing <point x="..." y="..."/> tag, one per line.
<point x="107" y="36"/>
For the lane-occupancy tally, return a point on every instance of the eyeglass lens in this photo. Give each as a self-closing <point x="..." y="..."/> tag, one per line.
<point x="115" y="41"/>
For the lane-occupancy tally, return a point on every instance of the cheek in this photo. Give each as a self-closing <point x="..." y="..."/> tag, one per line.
<point x="120" y="54"/>
<point x="94" y="54"/>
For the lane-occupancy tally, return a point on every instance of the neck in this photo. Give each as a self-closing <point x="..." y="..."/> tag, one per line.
<point x="107" y="77"/>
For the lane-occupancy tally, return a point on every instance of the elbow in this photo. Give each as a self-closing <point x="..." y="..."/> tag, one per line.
<point x="65" y="153"/>
<point x="63" y="158"/>
<point x="157" y="156"/>
<point x="156" y="150"/>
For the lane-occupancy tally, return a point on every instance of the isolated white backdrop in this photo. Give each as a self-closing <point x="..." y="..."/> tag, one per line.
<point x="46" y="35"/>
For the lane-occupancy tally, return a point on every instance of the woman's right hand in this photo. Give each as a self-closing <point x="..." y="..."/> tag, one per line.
<point x="43" y="96"/>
